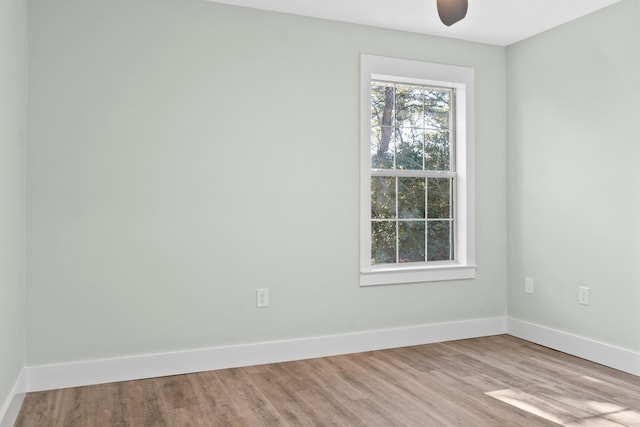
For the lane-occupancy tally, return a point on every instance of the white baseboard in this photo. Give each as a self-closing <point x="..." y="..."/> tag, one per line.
<point x="595" y="351"/>
<point x="10" y="409"/>
<point x="46" y="377"/>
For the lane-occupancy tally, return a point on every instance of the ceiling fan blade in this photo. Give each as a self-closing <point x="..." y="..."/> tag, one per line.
<point x="452" y="11"/>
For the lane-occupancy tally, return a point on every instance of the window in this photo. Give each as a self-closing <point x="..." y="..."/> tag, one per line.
<point x="416" y="172"/>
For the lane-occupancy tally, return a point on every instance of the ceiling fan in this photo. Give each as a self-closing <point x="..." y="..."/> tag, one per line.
<point x="452" y="11"/>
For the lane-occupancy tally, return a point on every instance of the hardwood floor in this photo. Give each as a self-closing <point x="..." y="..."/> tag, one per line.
<point x="494" y="381"/>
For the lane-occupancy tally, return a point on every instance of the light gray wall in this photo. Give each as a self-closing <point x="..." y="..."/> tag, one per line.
<point x="13" y="116"/>
<point x="184" y="153"/>
<point x="574" y="145"/>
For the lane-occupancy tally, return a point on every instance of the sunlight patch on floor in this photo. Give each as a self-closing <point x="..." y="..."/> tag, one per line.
<point x="568" y="411"/>
<point x="626" y="418"/>
<point x="527" y="402"/>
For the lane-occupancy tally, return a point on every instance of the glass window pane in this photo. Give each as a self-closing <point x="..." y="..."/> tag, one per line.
<point x="439" y="198"/>
<point x="439" y="241"/>
<point x="409" y="148"/>
<point x="382" y="148"/>
<point x="382" y="100"/>
<point x="410" y="106"/>
<point x="437" y="151"/>
<point x="437" y="109"/>
<point x="382" y="107"/>
<point x="411" y="241"/>
<point x="411" y="197"/>
<point x="383" y="242"/>
<point x="383" y="197"/>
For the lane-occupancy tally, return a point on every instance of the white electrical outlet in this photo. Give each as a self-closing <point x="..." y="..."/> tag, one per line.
<point x="528" y="285"/>
<point x="583" y="295"/>
<point x="262" y="298"/>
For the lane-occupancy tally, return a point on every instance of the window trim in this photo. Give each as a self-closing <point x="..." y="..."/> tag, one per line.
<point x="423" y="73"/>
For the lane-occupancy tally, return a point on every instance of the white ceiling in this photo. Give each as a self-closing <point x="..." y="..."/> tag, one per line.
<point x="499" y="22"/>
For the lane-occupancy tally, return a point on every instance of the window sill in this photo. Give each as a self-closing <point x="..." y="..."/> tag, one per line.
<point x="393" y="276"/>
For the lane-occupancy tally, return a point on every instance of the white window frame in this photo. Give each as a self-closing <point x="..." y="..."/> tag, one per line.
<point x="430" y="74"/>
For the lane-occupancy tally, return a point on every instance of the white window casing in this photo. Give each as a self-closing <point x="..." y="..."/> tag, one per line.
<point x="429" y="74"/>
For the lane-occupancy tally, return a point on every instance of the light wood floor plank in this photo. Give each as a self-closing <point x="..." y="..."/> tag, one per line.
<point x="485" y="382"/>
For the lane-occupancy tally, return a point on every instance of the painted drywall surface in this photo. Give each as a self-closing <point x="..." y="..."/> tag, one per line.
<point x="13" y="115"/>
<point x="573" y="176"/>
<point x="185" y="153"/>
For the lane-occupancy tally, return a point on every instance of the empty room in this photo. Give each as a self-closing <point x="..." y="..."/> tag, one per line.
<point x="271" y="212"/>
